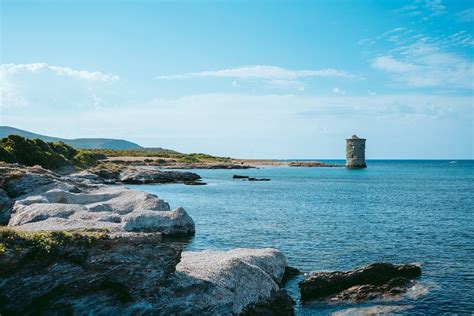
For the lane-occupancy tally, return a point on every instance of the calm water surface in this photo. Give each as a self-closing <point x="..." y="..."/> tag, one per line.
<point x="336" y="219"/>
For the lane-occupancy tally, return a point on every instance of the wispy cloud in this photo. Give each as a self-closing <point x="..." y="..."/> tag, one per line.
<point x="424" y="8"/>
<point x="466" y="15"/>
<point x="390" y="64"/>
<point x="13" y="69"/>
<point x="260" y="72"/>
<point x="425" y="65"/>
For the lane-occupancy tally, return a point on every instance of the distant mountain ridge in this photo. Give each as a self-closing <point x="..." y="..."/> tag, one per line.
<point x="86" y="143"/>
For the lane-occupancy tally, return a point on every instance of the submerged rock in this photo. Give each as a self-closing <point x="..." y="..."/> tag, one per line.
<point x="258" y="179"/>
<point x="236" y="176"/>
<point x="359" y="284"/>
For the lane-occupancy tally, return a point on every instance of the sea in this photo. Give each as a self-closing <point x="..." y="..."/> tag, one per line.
<point x="328" y="219"/>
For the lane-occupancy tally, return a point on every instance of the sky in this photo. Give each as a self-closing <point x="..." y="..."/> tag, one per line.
<point x="247" y="79"/>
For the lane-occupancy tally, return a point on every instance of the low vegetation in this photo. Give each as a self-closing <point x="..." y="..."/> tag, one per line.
<point x="55" y="155"/>
<point x="45" y="242"/>
<point x="160" y="156"/>
<point x="49" y="155"/>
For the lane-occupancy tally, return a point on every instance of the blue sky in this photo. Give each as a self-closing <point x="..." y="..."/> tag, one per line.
<point x="249" y="79"/>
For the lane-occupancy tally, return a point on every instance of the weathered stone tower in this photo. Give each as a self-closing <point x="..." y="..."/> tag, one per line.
<point x="355" y="152"/>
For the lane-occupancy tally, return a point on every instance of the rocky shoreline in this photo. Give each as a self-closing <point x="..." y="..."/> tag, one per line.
<point x="73" y="244"/>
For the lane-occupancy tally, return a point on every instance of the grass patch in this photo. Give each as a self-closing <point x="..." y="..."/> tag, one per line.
<point x="46" y="242"/>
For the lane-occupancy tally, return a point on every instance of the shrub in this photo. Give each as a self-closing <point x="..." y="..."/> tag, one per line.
<point x="32" y="152"/>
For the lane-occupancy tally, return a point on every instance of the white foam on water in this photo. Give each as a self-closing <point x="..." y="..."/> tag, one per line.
<point x="372" y="310"/>
<point x="419" y="289"/>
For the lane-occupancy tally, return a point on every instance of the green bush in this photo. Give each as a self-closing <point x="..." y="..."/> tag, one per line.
<point x="32" y="152"/>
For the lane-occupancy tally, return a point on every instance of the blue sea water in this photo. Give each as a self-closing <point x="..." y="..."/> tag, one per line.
<point x="338" y="219"/>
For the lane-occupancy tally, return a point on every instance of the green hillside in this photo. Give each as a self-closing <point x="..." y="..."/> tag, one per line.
<point x="86" y="143"/>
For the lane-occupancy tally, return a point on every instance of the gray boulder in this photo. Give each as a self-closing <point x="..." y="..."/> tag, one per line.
<point x="224" y="283"/>
<point x="176" y="222"/>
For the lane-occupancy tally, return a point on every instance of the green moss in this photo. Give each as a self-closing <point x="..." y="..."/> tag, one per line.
<point x="46" y="242"/>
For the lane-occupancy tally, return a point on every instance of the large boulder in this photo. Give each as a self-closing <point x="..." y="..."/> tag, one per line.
<point x="363" y="283"/>
<point x="226" y="283"/>
<point x="176" y="222"/>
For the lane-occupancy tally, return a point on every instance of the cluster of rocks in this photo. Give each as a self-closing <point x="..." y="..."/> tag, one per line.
<point x="131" y="270"/>
<point x="112" y="173"/>
<point x="236" y="176"/>
<point x="378" y="280"/>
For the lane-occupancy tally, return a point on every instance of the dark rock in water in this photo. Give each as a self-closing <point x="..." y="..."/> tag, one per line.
<point x="323" y="284"/>
<point x="357" y="293"/>
<point x="280" y="304"/>
<point x="236" y="176"/>
<point x="289" y="274"/>
<point x="258" y="179"/>
<point x="195" y="183"/>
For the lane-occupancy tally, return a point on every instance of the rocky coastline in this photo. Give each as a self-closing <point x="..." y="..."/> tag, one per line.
<point x="81" y="242"/>
<point x="73" y="244"/>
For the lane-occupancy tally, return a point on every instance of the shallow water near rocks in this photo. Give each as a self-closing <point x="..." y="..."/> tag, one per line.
<point x="327" y="219"/>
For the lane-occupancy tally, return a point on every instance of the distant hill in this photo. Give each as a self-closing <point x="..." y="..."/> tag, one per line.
<point x="88" y="143"/>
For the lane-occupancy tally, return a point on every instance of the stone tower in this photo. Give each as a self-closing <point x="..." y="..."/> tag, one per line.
<point x="355" y="152"/>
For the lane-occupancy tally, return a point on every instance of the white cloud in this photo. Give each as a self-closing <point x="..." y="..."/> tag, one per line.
<point x="235" y="83"/>
<point x="426" y="65"/>
<point x="338" y="91"/>
<point x="260" y="72"/>
<point x="390" y="64"/>
<point x="14" y="69"/>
